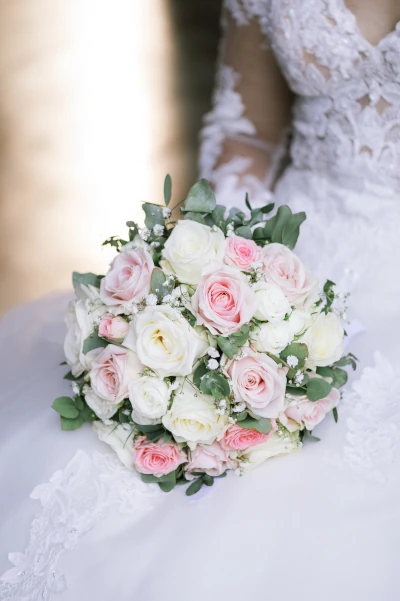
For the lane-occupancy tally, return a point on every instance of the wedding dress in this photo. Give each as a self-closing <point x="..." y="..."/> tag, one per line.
<point x="321" y="524"/>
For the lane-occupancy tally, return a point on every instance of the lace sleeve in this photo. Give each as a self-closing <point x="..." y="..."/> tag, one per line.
<point x="243" y="141"/>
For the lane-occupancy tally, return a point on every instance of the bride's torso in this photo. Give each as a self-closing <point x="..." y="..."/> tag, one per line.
<point x="346" y="118"/>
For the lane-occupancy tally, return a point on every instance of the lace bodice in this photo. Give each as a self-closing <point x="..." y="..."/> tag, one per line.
<point x="346" y="111"/>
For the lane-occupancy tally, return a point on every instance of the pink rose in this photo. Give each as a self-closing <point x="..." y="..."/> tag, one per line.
<point x="212" y="459"/>
<point x="282" y="267"/>
<point x="241" y="252"/>
<point x="239" y="439"/>
<point x="258" y="382"/>
<point x="128" y="280"/>
<point x="112" y="370"/>
<point x="223" y="300"/>
<point x="113" y="328"/>
<point x="307" y="414"/>
<point x="157" y="458"/>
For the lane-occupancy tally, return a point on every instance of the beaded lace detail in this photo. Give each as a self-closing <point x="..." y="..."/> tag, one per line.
<point x="73" y="502"/>
<point x="372" y="412"/>
<point x="346" y="120"/>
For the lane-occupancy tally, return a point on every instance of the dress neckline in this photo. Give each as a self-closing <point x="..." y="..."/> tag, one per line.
<point x="350" y="14"/>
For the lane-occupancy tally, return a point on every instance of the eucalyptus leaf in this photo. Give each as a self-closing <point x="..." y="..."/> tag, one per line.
<point x="167" y="486"/>
<point x="212" y="383"/>
<point x="149" y="428"/>
<point x="68" y="424"/>
<point x="69" y="376"/>
<point x="154" y="215"/>
<point x="318" y="389"/>
<point x="244" y="231"/>
<point x="157" y="282"/>
<point x="201" y="198"/>
<point x="194" y="487"/>
<point x="218" y="216"/>
<point x="208" y="480"/>
<point x="199" y="372"/>
<point x="167" y="189"/>
<point x="262" y="425"/>
<point x="66" y="407"/>
<point x="292" y="230"/>
<point x="93" y="341"/>
<point x="87" y="279"/>
<point x="192" y="216"/>
<point x="340" y="377"/>
<point x="228" y="346"/>
<point x="295" y="349"/>
<point x="87" y="414"/>
<point x="267" y="208"/>
<point x="282" y="218"/>
<point x="335" y="414"/>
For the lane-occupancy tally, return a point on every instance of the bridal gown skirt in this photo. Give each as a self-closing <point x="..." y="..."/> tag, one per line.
<point x="321" y="524"/>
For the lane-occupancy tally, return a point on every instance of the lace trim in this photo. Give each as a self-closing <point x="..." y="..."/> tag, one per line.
<point x="73" y="502"/>
<point x="372" y="407"/>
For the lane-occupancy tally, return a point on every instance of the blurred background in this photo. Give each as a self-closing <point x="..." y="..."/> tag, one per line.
<point x="98" y="101"/>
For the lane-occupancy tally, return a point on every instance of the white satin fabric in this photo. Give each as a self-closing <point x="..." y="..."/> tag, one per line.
<point x="322" y="523"/>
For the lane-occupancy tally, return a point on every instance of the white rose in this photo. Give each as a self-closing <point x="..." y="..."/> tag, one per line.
<point x="299" y="321"/>
<point x="189" y="248"/>
<point x="119" y="439"/>
<point x="272" y="337"/>
<point x="192" y="417"/>
<point x="165" y="342"/>
<point x="324" y="340"/>
<point x="101" y="407"/>
<point x="82" y="315"/>
<point x="149" y="397"/>
<point x="275" y="445"/>
<point x="272" y="302"/>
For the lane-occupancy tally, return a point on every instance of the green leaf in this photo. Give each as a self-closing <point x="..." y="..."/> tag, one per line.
<point x="154" y="215"/>
<point x="149" y="428"/>
<point x="292" y="230"/>
<point x="244" y="231"/>
<point x="262" y="425"/>
<point x="87" y="279"/>
<point x="167" y="189"/>
<point x="192" y="216"/>
<point x="218" y="216"/>
<point x="157" y="282"/>
<point x="296" y="349"/>
<point x="325" y="372"/>
<point x="215" y="385"/>
<point x="69" y="376"/>
<point x="340" y="377"/>
<point x="228" y="346"/>
<point x="66" y="407"/>
<point x="149" y="478"/>
<point x="296" y="390"/>
<point x="318" y="389"/>
<point x="71" y="424"/>
<point x="87" y="414"/>
<point x="247" y="202"/>
<point x="194" y="487"/>
<point x="199" y="372"/>
<point x="335" y="414"/>
<point x="236" y="216"/>
<point x="167" y="486"/>
<point x="93" y="341"/>
<point x="259" y="233"/>
<point x="79" y="403"/>
<point x="241" y="416"/>
<point x="201" y="198"/>
<point x="208" y="480"/>
<point x="282" y="218"/>
<point x="268" y="208"/>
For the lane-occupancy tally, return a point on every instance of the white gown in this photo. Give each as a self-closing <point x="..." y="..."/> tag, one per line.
<point x="320" y="524"/>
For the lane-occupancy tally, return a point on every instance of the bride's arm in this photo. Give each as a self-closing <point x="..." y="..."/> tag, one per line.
<point x="244" y="138"/>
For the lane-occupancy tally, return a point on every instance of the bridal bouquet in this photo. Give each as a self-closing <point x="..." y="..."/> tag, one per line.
<point x="206" y="347"/>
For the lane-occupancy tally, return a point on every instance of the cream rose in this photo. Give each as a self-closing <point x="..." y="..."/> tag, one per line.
<point x="300" y="321"/>
<point x="324" y="339"/>
<point x="275" y="445"/>
<point x="119" y="439"/>
<point x="81" y="318"/>
<point x="272" y="337"/>
<point x="192" y="417"/>
<point x="272" y="302"/>
<point x="165" y="342"/>
<point x="212" y="459"/>
<point x="190" y="247"/>
<point x="149" y="397"/>
<point x="283" y="267"/>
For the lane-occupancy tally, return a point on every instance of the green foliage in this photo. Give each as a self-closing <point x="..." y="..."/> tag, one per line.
<point x="167" y="189"/>
<point x="283" y="228"/>
<point x="93" y="341"/>
<point x="166" y="483"/>
<point x="194" y="487"/>
<point x="244" y="231"/>
<point x="215" y="385"/>
<point x="335" y="414"/>
<point x="157" y="283"/>
<point x="298" y="350"/>
<point x="318" y="389"/>
<point x="71" y="424"/>
<point x="154" y="215"/>
<point x="192" y="216"/>
<point x="115" y="241"/>
<point x="231" y="344"/>
<point x="201" y="198"/>
<point x="88" y="279"/>
<point x="65" y="406"/>
<point x="339" y="376"/>
<point x="349" y="359"/>
<point x="329" y="294"/>
<point x="262" y="424"/>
